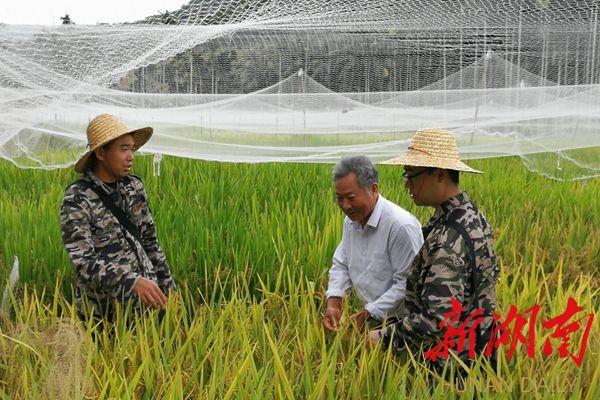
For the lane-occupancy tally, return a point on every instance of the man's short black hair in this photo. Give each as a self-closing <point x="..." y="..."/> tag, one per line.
<point x="454" y="175"/>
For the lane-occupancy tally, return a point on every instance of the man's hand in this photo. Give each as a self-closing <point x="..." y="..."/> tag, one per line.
<point x="373" y="339"/>
<point x="359" y="319"/>
<point x="333" y="313"/>
<point x="150" y="293"/>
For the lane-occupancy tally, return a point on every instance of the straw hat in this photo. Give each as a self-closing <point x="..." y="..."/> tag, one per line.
<point x="432" y="148"/>
<point x="106" y="128"/>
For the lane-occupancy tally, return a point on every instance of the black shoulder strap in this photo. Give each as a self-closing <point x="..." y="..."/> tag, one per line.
<point x="482" y="338"/>
<point x="136" y="177"/>
<point x="116" y="211"/>
<point x="451" y="223"/>
<point x="470" y="247"/>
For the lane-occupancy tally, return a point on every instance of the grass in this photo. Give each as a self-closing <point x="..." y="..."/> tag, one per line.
<point x="250" y="246"/>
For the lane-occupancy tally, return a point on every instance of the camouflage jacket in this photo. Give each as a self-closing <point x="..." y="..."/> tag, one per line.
<point x="442" y="270"/>
<point x="108" y="261"/>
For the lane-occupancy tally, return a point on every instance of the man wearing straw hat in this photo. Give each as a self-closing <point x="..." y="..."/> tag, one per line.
<point x="379" y="241"/>
<point x="107" y="227"/>
<point x="457" y="259"/>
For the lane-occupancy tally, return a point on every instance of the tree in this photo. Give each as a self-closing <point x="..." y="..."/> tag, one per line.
<point x="66" y="20"/>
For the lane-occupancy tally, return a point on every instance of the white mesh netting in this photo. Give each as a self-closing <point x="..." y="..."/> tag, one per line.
<point x="280" y="80"/>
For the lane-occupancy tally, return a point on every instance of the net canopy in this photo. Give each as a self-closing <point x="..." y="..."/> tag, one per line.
<point x="311" y="81"/>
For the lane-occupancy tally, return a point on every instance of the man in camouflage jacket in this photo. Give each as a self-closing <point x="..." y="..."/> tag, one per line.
<point x="112" y="265"/>
<point x="457" y="238"/>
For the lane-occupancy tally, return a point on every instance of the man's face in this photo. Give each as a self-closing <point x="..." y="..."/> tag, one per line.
<point x="422" y="185"/>
<point x="356" y="201"/>
<point x="117" y="158"/>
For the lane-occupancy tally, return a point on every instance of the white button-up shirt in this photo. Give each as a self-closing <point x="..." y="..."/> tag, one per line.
<point x="375" y="259"/>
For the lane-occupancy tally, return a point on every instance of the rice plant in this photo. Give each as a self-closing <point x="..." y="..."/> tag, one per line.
<point x="250" y="246"/>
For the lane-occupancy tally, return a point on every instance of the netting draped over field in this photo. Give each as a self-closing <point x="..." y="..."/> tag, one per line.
<point x="281" y="80"/>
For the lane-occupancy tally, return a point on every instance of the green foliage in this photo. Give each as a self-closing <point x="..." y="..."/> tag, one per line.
<point x="253" y="217"/>
<point x="250" y="246"/>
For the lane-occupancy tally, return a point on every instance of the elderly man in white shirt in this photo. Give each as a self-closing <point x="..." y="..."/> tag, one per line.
<point x="379" y="242"/>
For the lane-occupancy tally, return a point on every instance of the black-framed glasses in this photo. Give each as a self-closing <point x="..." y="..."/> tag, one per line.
<point x="408" y="178"/>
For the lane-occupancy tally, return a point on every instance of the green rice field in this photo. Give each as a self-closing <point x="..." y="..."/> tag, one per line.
<point x="250" y="246"/>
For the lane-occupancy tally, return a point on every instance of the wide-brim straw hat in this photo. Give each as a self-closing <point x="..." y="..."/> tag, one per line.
<point x="434" y="148"/>
<point x="106" y="128"/>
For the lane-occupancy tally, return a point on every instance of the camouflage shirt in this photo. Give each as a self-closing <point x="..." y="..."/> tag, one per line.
<point x="108" y="261"/>
<point x="442" y="270"/>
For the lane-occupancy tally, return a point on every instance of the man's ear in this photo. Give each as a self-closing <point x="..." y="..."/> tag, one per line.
<point x="374" y="187"/>
<point x="100" y="153"/>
